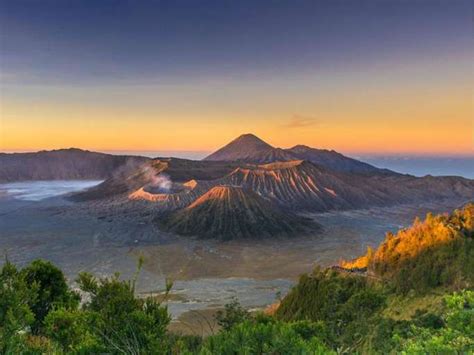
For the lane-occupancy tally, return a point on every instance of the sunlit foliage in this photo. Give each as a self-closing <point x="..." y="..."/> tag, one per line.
<point x="438" y="251"/>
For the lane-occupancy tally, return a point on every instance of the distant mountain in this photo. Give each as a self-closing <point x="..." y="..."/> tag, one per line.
<point x="251" y="149"/>
<point x="64" y="164"/>
<point x="333" y="160"/>
<point x="230" y="212"/>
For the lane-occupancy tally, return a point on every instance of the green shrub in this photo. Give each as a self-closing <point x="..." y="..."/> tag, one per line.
<point x="52" y="290"/>
<point x="344" y="303"/>
<point x="122" y="322"/>
<point x="16" y="316"/>
<point x="232" y="314"/>
<point x="456" y="336"/>
<point x="271" y="337"/>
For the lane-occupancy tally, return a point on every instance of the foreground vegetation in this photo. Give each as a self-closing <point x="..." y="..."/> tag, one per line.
<point x="40" y="314"/>
<point x="412" y="295"/>
<point x="408" y="295"/>
<point x="431" y="253"/>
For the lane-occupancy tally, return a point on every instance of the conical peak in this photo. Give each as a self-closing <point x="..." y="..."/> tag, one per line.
<point x="250" y="139"/>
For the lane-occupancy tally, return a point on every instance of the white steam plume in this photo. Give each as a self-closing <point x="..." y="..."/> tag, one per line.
<point x="162" y="181"/>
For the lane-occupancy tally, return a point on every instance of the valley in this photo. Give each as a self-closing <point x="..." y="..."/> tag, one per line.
<point x="207" y="273"/>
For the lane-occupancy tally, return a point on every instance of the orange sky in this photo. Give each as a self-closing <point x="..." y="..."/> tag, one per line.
<point x="358" y="77"/>
<point x="423" y="108"/>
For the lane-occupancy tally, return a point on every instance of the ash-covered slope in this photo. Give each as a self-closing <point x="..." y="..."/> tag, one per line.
<point x="64" y="164"/>
<point x="303" y="185"/>
<point x="230" y="212"/>
<point x="251" y="149"/>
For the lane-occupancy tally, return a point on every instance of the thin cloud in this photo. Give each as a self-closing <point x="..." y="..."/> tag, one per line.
<point x="299" y="121"/>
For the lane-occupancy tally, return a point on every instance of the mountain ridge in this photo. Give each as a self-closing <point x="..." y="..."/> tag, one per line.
<point x="64" y="164"/>
<point x="249" y="148"/>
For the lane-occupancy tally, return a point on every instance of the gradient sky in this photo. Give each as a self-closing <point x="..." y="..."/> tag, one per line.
<point x="374" y="76"/>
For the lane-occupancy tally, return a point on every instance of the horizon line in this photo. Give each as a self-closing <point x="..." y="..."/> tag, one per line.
<point x="121" y="151"/>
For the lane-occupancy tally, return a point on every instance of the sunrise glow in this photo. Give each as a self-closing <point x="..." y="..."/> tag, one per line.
<point x="406" y="90"/>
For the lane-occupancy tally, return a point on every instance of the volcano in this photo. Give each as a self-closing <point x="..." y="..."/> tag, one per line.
<point x="231" y="212"/>
<point x="250" y="149"/>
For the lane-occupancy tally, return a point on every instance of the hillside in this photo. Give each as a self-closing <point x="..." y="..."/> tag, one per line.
<point x="64" y="164"/>
<point x="230" y="212"/>
<point x="400" y="296"/>
<point x="301" y="185"/>
<point x="304" y="186"/>
<point x="438" y="251"/>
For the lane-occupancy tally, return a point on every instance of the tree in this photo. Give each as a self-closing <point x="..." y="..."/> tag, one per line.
<point x="232" y="314"/>
<point x="52" y="290"/>
<point x="71" y="330"/>
<point x="15" y="314"/>
<point x="122" y="322"/>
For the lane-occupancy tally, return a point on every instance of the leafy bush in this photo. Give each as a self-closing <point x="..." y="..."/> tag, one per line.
<point x="40" y="314"/>
<point x="268" y="337"/>
<point x="232" y="314"/>
<point x="72" y="331"/>
<point x="120" y="321"/>
<point x="52" y="290"/>
<point x="456" y="336"/>
<point x="15" y="313"/>
<point x="343" y="302"/>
